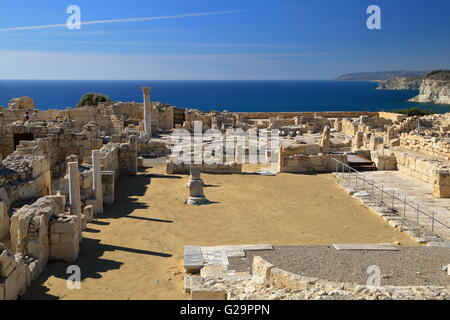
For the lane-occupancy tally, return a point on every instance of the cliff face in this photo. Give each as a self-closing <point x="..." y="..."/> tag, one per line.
<point x="401" y="83"/>
<point x="435" y="88"/>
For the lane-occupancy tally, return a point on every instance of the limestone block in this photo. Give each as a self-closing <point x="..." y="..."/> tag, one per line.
<point x="2" y="290"/>
<point x="261" y="269"/>
<point x="441" y="184"/>
<point x="293" y="149"/>
<point x="7" y="264"/>
<point x="15" y="284"/>
<point x="88" y="213"/>
<point x="289" y="281"/>
<point x="67" y="252"/>
<point x="292" y="162"/>
<point x="60" y="201"/>
<point x="312" y="149"/>
<point x="4" y="220"/>
<point x="211" y="272"/>
<point x="205" y="294"/>
<point x="140" y="161"/>
<point x="67" y="225"/>
<point x="108" y="182"/>
<point x="316" y="161"/>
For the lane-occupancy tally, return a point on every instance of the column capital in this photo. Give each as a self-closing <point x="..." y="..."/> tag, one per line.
<point x="146" y="91"/>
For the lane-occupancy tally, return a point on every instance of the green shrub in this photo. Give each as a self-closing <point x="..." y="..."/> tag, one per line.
<point x="414" y="111"/>
<point x="92" y="99"/>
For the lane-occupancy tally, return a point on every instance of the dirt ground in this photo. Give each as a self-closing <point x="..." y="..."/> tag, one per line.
<point x="135" y="249"/>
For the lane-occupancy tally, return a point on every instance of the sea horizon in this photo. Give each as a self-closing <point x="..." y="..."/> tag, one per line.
<point x="260" y="95"/>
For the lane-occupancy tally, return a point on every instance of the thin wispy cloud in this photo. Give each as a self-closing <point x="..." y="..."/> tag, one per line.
<point x="180" y="57"/>
<point x="94" y="66"/>
<point x="182" y="44"/>
<point x="93" y="22"/>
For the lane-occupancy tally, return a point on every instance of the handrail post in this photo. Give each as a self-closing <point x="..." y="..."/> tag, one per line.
<point x="393" y="199"/>
<point x="418" y="204"/>
<point x="432" y="222"/>
<point x="404" y="207"/>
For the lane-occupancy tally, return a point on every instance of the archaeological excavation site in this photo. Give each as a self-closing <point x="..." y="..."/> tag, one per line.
<point x="145" y="200"/>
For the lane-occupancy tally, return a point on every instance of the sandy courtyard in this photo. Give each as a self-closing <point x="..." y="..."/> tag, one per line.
<point x="135" y="249"/>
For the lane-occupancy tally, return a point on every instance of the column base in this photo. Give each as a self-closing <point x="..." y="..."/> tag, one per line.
<point x="197" y="200"/>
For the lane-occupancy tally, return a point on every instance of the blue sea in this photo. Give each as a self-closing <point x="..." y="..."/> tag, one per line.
<point x="234" y="96"/>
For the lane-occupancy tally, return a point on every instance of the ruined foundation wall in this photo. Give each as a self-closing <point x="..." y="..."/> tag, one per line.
<point x="431" y="146"/>
<point x="225" y="168"/>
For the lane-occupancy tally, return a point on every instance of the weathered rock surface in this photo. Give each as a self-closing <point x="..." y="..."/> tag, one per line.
<point x="22" y="103"/>
<point x="401" y="83"/>
<point x="435" y="88"/>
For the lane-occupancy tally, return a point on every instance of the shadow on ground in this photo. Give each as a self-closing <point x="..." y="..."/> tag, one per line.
<point x="90" y="259"/>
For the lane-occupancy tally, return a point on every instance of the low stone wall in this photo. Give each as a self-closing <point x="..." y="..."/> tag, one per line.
<point x="325" y="114"/>
<point x="266" y="274"/>
<point x="441" y="183"/>
<point x="226" y="168"/>
<point x="302" y="158"/>
<point x="24" y="177"/>
<point x="431" y="146"/>
<point x="313" y="163"/>
<point x="396" y="117"/>
<point x="109" y="156"/>
<point x="128" y="157"/>
<point x="39" y="232"/>
<point x="416" y="166"/>
<point x="15" y="276"/>
<point x="384" y="162"/>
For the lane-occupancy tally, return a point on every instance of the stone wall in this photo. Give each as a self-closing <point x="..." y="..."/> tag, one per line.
<point x="396" y="117"/>
<point x="432" y="146"/>
<point x="24" y="177"/>
<point x="326" y="114"/>
<point x="57" y="143"/>
<point x="225" y="168"/>
<point x="15" y="275"/>
<point x="39" y="232"/>
<point x="302" y="163"/>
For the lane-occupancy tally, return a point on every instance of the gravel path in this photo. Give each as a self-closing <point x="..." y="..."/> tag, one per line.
<point x="420" y="265"/>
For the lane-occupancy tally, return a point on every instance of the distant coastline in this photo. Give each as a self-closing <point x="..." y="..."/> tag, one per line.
<point x="380" y="75"/>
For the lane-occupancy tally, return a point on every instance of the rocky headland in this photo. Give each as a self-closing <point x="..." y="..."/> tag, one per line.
<point x="435" y="88"/>
<point x="401" y="83"/>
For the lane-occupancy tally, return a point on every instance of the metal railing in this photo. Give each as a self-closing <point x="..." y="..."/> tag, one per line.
<point x="397" y="202"/>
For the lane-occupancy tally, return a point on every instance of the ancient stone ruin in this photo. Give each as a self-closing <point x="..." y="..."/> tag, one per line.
<point x="59" y="172"/>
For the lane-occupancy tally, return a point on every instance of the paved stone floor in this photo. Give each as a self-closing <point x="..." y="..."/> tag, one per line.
<point x="414" y="189"/>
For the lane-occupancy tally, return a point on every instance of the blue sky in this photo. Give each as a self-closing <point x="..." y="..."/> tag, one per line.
<point x="212" y="39"/>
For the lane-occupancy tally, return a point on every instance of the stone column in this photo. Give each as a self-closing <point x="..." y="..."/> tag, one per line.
<point x="97" y="181"/>
<point x="325" y="142"/>
<point x="74" y="189"/>
<point x="147" y="113"/>
<point x="74" y="194"/>
<point x="196" y="194"/>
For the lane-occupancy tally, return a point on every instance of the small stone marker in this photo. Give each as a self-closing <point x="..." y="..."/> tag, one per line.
<point x="193" y="258"/>
<point x="370" y="246"/>
<point x="446" y="268"/>
<point x="361" y="194"/>
<point x="442" y="244"/>
<point x="196" y="194"/>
